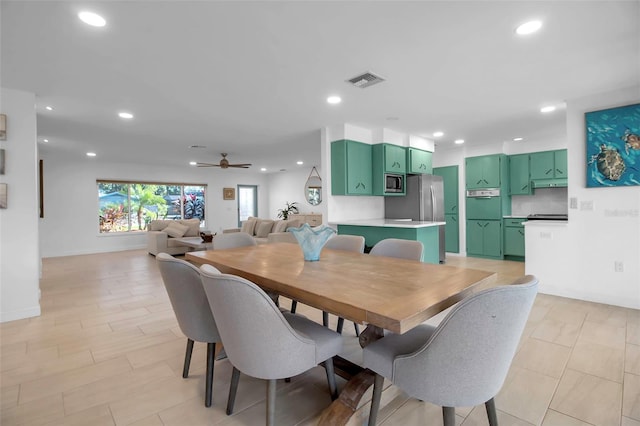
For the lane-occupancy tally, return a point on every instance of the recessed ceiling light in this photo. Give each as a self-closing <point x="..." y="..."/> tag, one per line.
<point x="192" y="163"/>
<point x="438" y="134"/>
<point x="528" y="27"/>
<point x="546" y="109"/>
<point x="334" y="100"/>
<point x="91" y="154"/>
<point x="45" y="140"/>
<point x="299" y="163"/>
<point x="48" y="108"/>
<point x="126" y="115"/>
<point x="263" y="169"/>
<point x="92" y="19"/>
<point x="458" y="141"/>
<point x="517" y="139"/>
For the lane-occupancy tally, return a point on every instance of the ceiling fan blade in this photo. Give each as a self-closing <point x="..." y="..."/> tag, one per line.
<point x="240" y="165"/>
<point x="207" y="165"/>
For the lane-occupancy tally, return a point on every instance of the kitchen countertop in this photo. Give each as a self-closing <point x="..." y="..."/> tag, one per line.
<point x="391" y="223"/>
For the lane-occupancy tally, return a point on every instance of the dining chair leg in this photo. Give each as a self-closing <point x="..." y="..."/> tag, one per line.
<point x="490" y="405"/>
<point x="233" y="389"/>
<point x="271" y="402"/>
<point x="331" y="378"/>
<point x="294" y="306"/>
<point x="340" y="325"/>
<point x="187" y="359"/>
<point x="375" y="399"/>
<point x="325" y="318"/>
<point x="449" y="416"/>
<point x="357" y="328"/>
<point x="208" y="397"/>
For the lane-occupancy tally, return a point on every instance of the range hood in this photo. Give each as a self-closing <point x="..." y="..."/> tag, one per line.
<point x="549" y="183"/>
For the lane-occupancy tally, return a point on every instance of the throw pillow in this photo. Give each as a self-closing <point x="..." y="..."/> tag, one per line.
<point x="279" y="226"/>
<point x="248" y="226"/>
<point x="193" y="225"/>
<point x="176" y="230"/>
<point x="264" y="228"/>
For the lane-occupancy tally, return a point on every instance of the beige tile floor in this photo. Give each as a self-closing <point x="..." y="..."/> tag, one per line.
<point x="107" y="350"/>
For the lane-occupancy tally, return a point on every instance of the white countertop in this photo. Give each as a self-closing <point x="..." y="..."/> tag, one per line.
<point x="532" y="223"/>
<point x="391" y="223"/>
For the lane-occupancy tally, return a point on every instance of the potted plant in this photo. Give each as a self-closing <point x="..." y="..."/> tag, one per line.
<point x="290" y="208"/>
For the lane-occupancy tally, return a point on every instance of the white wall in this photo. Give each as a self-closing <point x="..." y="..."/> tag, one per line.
<point x="578" y="260"/>
<point x="70" y="225"/>
<point x="19" y="257"/>
<point x="289" y="187"/>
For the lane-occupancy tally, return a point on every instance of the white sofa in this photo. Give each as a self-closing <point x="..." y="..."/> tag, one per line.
<point x="260" y="229"/>
<point x="161" y="237"/>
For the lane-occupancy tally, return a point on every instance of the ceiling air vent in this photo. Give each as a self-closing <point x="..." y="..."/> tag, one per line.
<point x="365" y="80"/>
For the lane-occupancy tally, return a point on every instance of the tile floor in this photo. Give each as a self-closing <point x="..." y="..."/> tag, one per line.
<point x="107" y="350"/>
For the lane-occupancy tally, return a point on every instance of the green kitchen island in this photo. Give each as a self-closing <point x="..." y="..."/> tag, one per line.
<point x="374" y="230"/>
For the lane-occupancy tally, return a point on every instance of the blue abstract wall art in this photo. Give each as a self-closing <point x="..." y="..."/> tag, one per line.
<point x="613" y="147"/>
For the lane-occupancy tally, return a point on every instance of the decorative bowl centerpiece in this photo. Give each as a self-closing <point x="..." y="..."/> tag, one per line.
<point x="206" y="237"/>
<point x="312" y="240"/>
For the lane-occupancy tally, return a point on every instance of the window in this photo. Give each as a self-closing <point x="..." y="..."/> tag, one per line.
<point x="130" y="206"/>
<point x="247" y="202"/>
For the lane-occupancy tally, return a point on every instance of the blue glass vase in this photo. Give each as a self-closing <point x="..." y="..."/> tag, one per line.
<point x="312" y="240"/>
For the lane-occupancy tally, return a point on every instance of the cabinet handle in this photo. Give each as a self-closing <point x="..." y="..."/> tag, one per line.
<point x="548" y="171"/>
<point x="524" y="187"/>
<point x="521" y="232"/>
<point x="453" y="218"/>
<point x="560" y="172"/>
<point x="478" y="181"/>
<point x="479" y="224"/>
<point x="485" y="181"/>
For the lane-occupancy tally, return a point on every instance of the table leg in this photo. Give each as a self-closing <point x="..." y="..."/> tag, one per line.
<point x="341" y="410"/>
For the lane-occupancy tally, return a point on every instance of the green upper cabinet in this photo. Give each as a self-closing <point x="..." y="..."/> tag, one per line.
<point x="450" y="181"/>
<point x="351" y="172"/>
<point x="387" y="158"/>
<point x="485" y="171"/>
<point x="519" y="180"/>
<point x="419" y="161"/>
<point x="548" y="164"/>
<point x="560" y="160"/>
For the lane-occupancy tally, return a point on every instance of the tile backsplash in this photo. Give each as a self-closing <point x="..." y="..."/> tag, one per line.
<point x="543" y="200"/>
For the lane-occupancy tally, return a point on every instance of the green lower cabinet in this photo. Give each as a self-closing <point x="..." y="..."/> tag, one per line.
<point x="514" y="239"/>
<point x="452" y="233"/>
<point x="484" y="238"/>
<point x="428" y="236"/>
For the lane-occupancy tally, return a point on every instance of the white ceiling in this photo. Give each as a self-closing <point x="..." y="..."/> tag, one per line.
<point x="252" y="78"/>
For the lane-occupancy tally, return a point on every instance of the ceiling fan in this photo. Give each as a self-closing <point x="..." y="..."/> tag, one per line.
<point x="224" y="163"/>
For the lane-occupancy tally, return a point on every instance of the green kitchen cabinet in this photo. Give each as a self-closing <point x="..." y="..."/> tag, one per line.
<point x="351" y="171"/>
<point x="548" y="165"/>
<point x="519" y="180"/>
<point x="514" y="238"/>
<point x="419" y="161"/>
<point x="452" y="233"/>
<point x="486" y="171"/>
<point x="484" y="238"/>
<point x="450" y="181"/>
<point x="387" y="158"/>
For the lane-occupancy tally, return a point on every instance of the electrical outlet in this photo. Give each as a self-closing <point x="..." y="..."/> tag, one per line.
<point x="586" y="205"/>
<point x="546" y="235"/>
<point x="618" y="266"/>
<point x="573" y="203"/>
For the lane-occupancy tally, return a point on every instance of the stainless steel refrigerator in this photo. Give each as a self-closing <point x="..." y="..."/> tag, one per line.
<point x="424" y="201"/>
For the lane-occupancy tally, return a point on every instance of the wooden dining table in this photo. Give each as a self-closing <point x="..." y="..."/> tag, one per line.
<point x="382" y="292"/>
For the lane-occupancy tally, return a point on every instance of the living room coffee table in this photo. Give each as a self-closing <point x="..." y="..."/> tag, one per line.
<point x="194" y="242"/>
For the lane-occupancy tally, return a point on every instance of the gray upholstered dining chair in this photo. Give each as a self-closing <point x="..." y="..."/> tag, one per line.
<point x="353" y="243"/>
<point x="461" y="362"/>
<point x="232" y="240"/>
<point x="338" y="242"/>
<point x="192" y="310"/>
<point x="263" y="342"/>
<point x="395" y="247"/>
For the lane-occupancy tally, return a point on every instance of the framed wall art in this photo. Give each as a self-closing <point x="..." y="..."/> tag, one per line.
<point x="3" y="127"/>
<point x="613" y="147"/>
<point x="3" y="195"/>
<point x="228" y="193"/>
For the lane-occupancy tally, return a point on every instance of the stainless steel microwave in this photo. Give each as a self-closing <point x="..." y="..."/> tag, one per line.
<point x="393" y="183"/>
